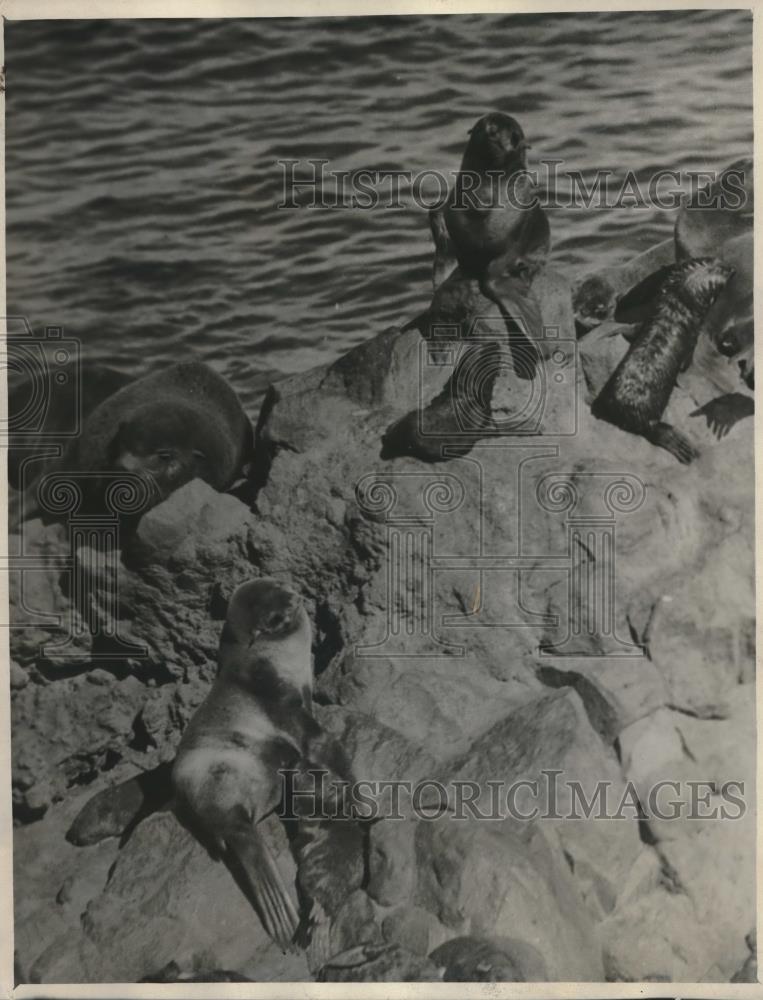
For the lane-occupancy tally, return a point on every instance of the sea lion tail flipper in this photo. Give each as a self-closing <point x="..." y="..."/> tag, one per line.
<point x="664" y="436"/>
<point x="520" y="311"/>
<point x="249" y="860"/>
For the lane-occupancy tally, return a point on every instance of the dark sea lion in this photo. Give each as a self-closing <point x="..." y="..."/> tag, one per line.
<point x="255" y="722"/>
<point x="78" y="389"/>
<point x="489" y="960"/>
<point x="638" y="391"/>
<point x="497" y="231"/>
<point x="170" y="427"/>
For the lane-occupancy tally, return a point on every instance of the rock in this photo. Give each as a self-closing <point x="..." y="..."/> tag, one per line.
<point x="459" y="883"/>
<point x="67" y="740"/>
<point x="616" y="692"/>
<point x="413" y="928"/>
<point x="391" y="861"/>
<point x="704" y="858"/>
<point x="41" y="614"/>
<point x="165" y="900"/>
<point x="19" y="677"/>
<point x="550" y="742"/>
<point x="569" y="606"/>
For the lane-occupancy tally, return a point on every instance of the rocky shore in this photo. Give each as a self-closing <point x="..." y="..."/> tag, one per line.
<point x="652" y="681"/>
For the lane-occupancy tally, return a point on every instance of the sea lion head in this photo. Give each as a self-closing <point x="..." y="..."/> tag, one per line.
<point x="496" y="142"/>
<point x="156" y="442"/>
<point x="594" y="301"/>
<point x="737" y="341"/>
<point x="264" y="607"/>
<point x="697" y="283"/>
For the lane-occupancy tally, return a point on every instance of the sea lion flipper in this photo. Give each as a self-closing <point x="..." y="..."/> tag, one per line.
<point x="249" y="860"/>
<point x="638" y="303"/>
<point x="115" y="811"/>
<point x="534" y="236"/>
<point x="445" y="260"/>
<point x="664" y="436"/>
<point x="723" y="412"/>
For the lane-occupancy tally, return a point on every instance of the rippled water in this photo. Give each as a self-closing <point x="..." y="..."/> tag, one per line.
<point x="142" y="174"/>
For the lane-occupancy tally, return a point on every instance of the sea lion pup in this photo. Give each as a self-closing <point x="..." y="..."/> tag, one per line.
<point x="255" y="722"/>
<point x="639" y="389"/>
<point x="497" y="229"/>
<point x="170" y="427"/>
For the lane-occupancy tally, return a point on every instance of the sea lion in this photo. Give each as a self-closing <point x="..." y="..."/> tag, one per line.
<point x="496" y="229"/>
<point x="170" y="427"/>
<point x="721" y="211"/>
<point x="596" y="298"/>
<point x="255" y="722"/>
<point x="636" y="394"/>
<point x="78" y="389"/>
<point x="713" y="223"/>
<point x="726" y="234"/>
<point x="489" y="960"/>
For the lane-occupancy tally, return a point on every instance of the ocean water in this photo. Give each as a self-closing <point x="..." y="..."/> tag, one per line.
<point x="143" y="181"/>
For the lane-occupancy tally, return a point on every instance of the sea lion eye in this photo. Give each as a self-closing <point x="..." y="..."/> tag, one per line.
<point x="164" y="455"/>
<point x="276" y="621"/>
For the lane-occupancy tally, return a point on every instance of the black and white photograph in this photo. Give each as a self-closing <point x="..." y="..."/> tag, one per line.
<point x="381" y="497"/>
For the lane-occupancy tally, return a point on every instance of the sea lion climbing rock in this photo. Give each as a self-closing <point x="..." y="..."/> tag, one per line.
<point x="639" y="389"/>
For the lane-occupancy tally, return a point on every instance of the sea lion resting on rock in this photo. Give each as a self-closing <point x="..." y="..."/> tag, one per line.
<point x="255" y="722"/>
<point x="636" y="394"/>
<point x="170" y="427"/>
<point x="77" y="387"/>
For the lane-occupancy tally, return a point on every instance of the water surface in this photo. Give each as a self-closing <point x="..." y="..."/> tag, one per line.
<point x="143" y="182"/>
